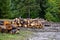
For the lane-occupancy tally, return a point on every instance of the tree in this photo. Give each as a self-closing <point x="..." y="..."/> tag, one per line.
<point x="43" y="8"/>
<point x="5" y="8"/>
<point x="53" y="9"/>
<point x="25" y="8"/>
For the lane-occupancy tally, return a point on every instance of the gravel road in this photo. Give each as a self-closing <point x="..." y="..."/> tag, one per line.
<point x="45" y="36"/>
<point x="46" y="33"/>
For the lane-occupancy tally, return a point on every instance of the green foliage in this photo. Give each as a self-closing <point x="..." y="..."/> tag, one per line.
<point x="25" y="8"/>
<point x="50" y="17"/>
<point x="5" y="8"/>
<point x="47" y="9"/>
<point x="52" y="11"/>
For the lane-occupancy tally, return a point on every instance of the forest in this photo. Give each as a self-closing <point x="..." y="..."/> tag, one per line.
<point x="45" y="9"/>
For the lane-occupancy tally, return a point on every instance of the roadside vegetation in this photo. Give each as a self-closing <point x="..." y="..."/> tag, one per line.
<point x="23" y="35"/>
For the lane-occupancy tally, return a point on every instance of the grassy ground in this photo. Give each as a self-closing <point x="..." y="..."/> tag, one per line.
<point x="21" y="36"/>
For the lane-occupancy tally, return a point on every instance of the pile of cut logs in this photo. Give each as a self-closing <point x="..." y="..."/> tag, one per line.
<point x="14" y="25"/>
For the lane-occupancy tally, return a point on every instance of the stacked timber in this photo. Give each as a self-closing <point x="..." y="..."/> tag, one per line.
<point x="14" y="25"/>
<point x="28" y="23"/>
<point x="7" y="27"/>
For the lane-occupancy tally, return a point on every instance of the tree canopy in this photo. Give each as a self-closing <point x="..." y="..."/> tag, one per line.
<point x="47" y="9"/>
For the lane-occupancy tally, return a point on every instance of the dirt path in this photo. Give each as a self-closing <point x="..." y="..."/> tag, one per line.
<point x="45" y="36"/>
<point x="47" y="33"/>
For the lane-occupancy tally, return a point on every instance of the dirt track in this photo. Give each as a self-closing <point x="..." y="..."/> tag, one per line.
<point x="45" y="36"/>
<point x="47" y="33"/>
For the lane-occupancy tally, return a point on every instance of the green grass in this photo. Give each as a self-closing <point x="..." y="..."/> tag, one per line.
<point x="21" y="36"/>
